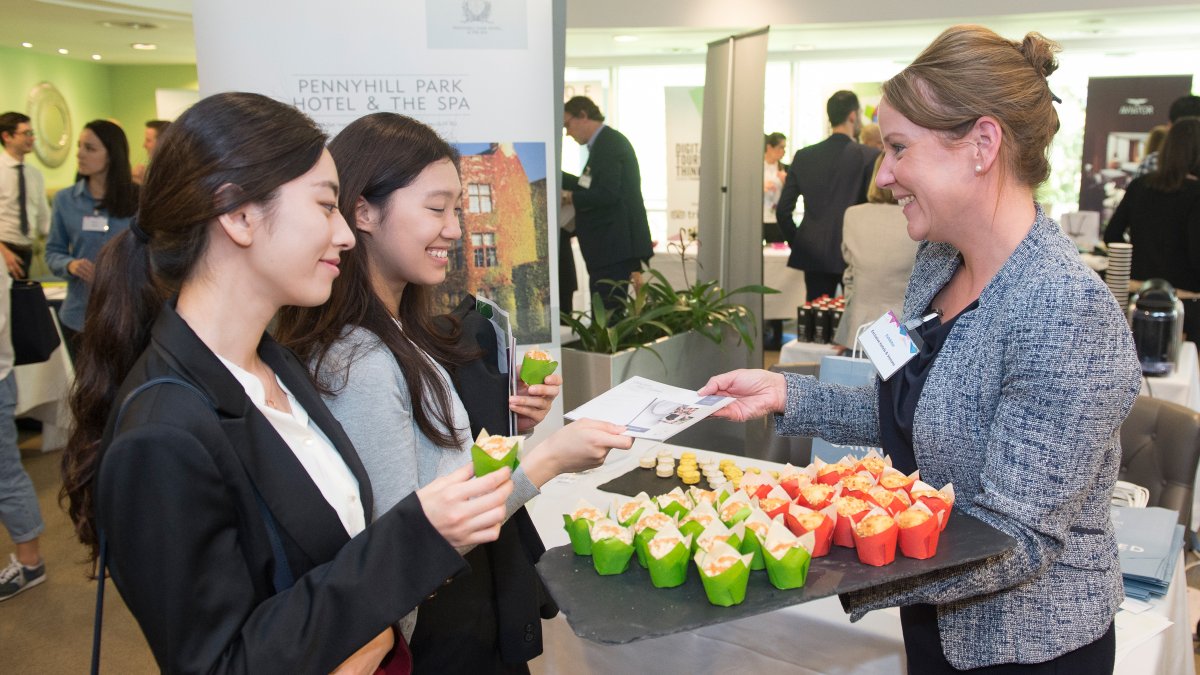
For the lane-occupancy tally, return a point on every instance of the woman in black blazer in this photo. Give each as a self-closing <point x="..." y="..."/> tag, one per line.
<point x="231" y="503"/>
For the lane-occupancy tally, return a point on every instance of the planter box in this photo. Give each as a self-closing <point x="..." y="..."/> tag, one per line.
<point x="687" y="360"/>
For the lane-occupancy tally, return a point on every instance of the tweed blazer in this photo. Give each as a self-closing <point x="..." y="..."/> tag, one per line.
<point x="1021" y="411"/>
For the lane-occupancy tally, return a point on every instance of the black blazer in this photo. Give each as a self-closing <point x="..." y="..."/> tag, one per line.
<point x="187" y="545"/>
<point x="610" y="216"/>
<point x="488" y="620"/>
<point x="833" y="175"/>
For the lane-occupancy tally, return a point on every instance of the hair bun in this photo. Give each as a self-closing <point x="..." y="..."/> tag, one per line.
<point x="1039" y="52"/>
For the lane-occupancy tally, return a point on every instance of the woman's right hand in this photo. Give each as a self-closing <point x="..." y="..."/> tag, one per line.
<point x="467" y="511"/>
<point x="82" y="268"/>
<point x="757" y="393"/>
<point x="582" y="444"/>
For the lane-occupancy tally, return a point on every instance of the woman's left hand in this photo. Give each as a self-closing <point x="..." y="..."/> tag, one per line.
<point x="532" y="403"/>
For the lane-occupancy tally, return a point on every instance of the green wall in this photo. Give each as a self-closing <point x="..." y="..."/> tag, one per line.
<point x="93" y="91"/>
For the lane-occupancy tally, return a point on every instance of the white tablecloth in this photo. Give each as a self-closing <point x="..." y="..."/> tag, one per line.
<point x="42" y="395"/>
<point x="805" y="352"/>
<point x="815" y="637"/>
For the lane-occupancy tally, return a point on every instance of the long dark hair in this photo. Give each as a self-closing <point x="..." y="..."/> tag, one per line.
<point x="226" y="151"/>
<point x="377" y="155"/>
<point x="1179" y="156"/>
<point x="120" y="194"/>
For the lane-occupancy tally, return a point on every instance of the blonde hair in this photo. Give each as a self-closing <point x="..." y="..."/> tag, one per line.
<point x="876" y="194"/>
<point x="968" y="72"/>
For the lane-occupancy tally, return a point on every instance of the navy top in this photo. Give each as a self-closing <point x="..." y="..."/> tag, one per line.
<point x="898" y="395"/>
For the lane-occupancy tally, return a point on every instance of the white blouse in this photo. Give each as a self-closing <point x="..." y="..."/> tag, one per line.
<point x="311" y="446"/>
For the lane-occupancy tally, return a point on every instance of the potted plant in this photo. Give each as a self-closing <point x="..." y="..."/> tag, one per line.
<point x="677" y="336"/>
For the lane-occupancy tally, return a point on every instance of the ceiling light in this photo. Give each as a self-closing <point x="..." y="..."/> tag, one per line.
<point x="144" y="46"/>
<point x="64" y="52"/>
<point x="625" y="38"/>
<point x="131" y="25"/>
<point x="27" y="45"/>
<point x="96" y="57"/>
<point x="803" y="47"/>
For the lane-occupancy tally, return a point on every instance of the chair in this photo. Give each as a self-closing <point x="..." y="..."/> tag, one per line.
<point x="1160" y="446"/>
<point x="761" y="440"/>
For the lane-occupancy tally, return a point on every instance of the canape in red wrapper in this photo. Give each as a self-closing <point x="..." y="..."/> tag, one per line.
<point x="894" y="479"/>
<point x="830" y="474"/>
<point x="758" y="485"/>
<point x="775" y="503"/>
<point x="873" y="464"/>
<point x="791" y="479"/>
<point x="894" y="502"/>
<point x="938" y="501"/>
<point x="802" y="520"/>
<point x="858" y="484"/>
<point x="875" y="538"/>
<point x="919" y="532"/>
<point x="817" y="496"/>
<point x="850" y="511"/>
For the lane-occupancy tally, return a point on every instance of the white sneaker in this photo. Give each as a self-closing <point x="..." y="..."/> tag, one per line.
<point x="17" y="577"/>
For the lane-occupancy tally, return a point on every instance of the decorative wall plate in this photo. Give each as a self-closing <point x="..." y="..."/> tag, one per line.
<point x="51" y="121"/>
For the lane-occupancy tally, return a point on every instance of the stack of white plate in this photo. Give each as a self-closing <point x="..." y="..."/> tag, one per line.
<point x="1120" y="257"/>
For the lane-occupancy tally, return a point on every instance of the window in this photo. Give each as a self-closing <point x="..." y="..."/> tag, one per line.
<point x="458" y="259"/>
<point x="485" y="249"/>
<point x="479" y="198"/>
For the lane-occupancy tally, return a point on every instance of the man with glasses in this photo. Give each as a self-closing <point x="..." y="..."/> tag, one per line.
<point x="23" y="207"/>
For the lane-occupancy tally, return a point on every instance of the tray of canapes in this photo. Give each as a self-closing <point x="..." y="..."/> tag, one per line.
<point x="644" y="567"/>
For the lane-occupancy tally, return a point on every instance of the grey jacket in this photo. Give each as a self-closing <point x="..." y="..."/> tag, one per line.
<point x="1021" y="411"/>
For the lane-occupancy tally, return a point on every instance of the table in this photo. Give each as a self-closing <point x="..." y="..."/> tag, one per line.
<point x="818" y="634"/>
<point x="795" y="351"/>
<point x="42" y="390"/>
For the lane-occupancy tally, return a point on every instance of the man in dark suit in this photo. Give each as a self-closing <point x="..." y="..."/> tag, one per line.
<point x="832" y="175"/>
<point x="610" y="216"/>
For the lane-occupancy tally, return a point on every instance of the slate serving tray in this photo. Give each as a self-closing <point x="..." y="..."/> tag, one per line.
<point x="627" y="608"/>
<point x="645" y="480"/>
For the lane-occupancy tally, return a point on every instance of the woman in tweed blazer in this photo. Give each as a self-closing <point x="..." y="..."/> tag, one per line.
<point x="1021" y="407"/>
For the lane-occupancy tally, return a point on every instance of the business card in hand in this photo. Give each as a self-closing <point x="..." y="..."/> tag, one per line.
<point x="650" y="409"/>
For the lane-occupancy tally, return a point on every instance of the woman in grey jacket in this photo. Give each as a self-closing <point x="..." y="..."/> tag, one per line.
<point x="1023" y="381"/>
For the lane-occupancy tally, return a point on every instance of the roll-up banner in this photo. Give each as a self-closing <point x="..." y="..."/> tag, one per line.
<point x="684" y="106"/>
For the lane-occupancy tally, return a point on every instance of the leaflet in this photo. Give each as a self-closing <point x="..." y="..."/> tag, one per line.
<point x="650" y="409"/>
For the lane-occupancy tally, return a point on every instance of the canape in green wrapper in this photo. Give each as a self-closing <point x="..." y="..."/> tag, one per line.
<point x="757" y="526"/>
<point x="612" y="547"/>
<point x="718" y="533"/>
<point x="735" y="509"/>
<point x="535" y="366"/>
<point x="646" y="527"/>
<point x="698" y="519"/>
<point x="724" y="574"/>
<point x="787" y="556"/>
<point x="578" y="525"/>
<point x="627" y="511"/>
<point x="674" y="503"/>
<point x="669" y="554"/>
<point x="489" y="452"/>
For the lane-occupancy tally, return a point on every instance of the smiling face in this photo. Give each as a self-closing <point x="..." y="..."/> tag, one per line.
<point x="299" y="238"/>
<point x="92" y="155"/>
<point x="931" y="176"/>
<point x="410" y="238"/>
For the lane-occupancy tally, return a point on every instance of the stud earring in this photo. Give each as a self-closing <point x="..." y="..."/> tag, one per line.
<point x="978" y="168"/>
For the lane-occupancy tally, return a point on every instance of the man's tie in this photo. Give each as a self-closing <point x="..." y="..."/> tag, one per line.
<point x="23" y="208"/>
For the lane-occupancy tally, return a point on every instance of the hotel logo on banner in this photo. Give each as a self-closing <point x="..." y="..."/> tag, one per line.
<point x="1136" y="106"/>
<point x="475" y="24"/>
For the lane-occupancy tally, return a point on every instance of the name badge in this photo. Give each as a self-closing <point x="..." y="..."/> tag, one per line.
<point x="95" y="224"/>
<point x="585" y="181"/>
<point x="888" y="345"/>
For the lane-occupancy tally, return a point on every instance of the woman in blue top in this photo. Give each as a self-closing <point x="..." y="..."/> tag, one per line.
<point x="87" y="215"/>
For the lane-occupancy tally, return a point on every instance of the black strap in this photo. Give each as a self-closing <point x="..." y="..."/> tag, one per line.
<point x="282" y="578"/>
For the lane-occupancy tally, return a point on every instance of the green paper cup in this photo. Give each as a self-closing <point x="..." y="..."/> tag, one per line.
<point x="534" y="371"/>
<point x="611" y="556"/>
<point x="640" y="542"/>
<point x="741" y="514"/>
<point x="628" y="522"/>
<point x="789" y="572"/>
<point x="670" y="570"/>
<point x="485" y="463"/>
<point x="727" y="588"/>
<point x="675" y="510"/>
<point x="580" y="532"/>
<point x="752" y="544"/>
<point x="693" y="528"/>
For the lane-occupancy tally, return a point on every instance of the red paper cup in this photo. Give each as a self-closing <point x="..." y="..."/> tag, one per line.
<point x="938" y="505"/>
<point x="791" y="486"/>
<point x="822" y="536"/>
<point x="843" y="531"/>
<point x="762" y="490"/>
<point x="833" y="477"/>
<point x="878" y="549"/>
<point x="817" y="506"/>
<point x="782" y="509"/>
<point x="920" y="542"/>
